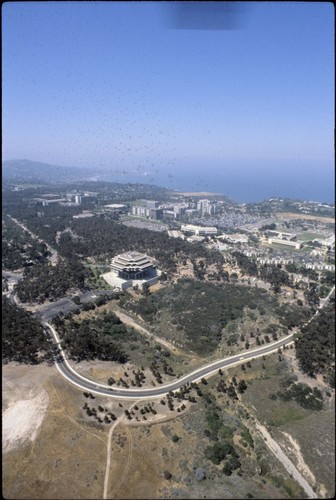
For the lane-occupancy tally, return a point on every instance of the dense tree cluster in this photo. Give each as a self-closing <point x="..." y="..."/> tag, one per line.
<point x="103" y="238"/>
<point x="23" y="339"/>
<point x="305" y="396"/>
<point x="19" y="248"/>
<point x="43" y="281"/>
<point x="44" y="221"/>
<point x="95" y="338"/>
<point x="221" y="434"/>
<point x="108" y="238"/>
<point x="268" y="227"/>
<point x="188" y="303"/>
<point x="246" y="264"/>
<point x="219" y="452"/>
<point x="315" y="345"/>
<point x="270" y="273"/>
<point x="274" y="275"/>
<point x="291" y="315"/>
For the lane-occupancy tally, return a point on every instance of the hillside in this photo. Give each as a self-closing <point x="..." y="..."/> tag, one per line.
<point x="34" y="171"/>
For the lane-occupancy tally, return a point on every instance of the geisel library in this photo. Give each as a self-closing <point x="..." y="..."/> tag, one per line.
<point x="130" y="269"/>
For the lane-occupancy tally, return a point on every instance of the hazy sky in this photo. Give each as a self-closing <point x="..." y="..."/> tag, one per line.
<point x="113" y="85"/>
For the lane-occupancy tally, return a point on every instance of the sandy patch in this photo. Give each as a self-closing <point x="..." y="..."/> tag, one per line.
<point x="22" y="419"/>
<point x="199" y="193"/>
<point x="24" y="402"/>
<point x="301" y="464"/>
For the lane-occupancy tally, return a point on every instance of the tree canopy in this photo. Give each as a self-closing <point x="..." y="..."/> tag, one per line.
<point x="315" y="345"/>
<point x="23" y="338"/>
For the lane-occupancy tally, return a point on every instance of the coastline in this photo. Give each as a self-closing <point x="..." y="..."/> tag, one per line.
<point x="198" y="193"/>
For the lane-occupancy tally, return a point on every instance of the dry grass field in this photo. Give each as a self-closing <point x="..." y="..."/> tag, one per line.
<point x="66" y="459"/>
<point x="292" y="215"/>
<point x="63" y="453"/>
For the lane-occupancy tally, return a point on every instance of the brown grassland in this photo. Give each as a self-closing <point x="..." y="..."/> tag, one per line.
<point x="67" y="459"/>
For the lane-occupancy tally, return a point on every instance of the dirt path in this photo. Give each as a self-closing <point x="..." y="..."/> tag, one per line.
<point x="125" y="318"/>
<point x="108" y="457"/>
<point x="280" y="455"/>
<point x="302" y="466"/>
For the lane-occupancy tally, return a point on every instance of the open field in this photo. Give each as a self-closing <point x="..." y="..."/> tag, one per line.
<point x="292" y="215"/>
<point x="309" y="236"/>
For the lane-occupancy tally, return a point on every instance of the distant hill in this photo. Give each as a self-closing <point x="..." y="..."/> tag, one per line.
<point x="34" y="171"/>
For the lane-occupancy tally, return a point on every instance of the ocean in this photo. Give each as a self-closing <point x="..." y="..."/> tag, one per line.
<point x="241" y="185"/>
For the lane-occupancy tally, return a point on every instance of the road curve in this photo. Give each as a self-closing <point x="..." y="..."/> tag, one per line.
<point x="85" y="384"/>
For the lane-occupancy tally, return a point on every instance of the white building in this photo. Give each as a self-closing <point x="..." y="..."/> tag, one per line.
<point x="236" y="238"/>
<point x="115" y="207"/>
<point x="284" y="236"/>
<point x="295" y="244"/>
<point x="140" y="211"/>
<point x="206" y="207"/>
<point x="199" y="230"/>
<point x="130" y="269"/>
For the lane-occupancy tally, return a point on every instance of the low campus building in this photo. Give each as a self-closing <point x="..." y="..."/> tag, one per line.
<point x="296" y="244"/>
<point x="199" y="230"/>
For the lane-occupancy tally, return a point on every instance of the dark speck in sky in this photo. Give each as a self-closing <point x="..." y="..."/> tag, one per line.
<point x="205" y="15"/>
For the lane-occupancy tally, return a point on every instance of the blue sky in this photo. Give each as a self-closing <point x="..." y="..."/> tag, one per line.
<point x="112" y="85"/>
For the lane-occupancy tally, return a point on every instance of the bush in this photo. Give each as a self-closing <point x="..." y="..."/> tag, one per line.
<point x="219" y="451"/>
<point x="305" y="396"/>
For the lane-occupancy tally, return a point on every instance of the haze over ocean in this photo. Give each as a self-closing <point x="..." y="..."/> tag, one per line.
<point x="245" y="186"/>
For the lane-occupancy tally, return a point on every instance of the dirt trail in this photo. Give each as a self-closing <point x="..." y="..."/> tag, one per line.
<point x="125" y="318"/>
<point x="302" y="466"/>
<point x="108" y="458"/>
<point x="280" y="455"/>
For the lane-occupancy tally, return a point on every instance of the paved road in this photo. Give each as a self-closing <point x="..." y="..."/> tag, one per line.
<point x="66" y="305"/>
<point x="75" y="378"/>
<point x="324" y="301"/>
<point x="53" y="257"/>
<point x="85" y="384"/>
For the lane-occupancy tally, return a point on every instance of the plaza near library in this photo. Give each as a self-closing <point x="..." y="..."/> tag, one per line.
<point x="130" y="269"/>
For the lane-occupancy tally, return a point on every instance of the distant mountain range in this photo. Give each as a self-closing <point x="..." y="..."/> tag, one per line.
<point x="34" y="171"/>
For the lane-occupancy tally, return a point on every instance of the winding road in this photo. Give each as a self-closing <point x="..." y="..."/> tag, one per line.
<point x="86" y="384"/>
<point x="207" y="370"/>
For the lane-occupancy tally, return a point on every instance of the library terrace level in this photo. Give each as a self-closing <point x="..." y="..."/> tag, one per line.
<point x="132" y="265"/>
<point x="131" y="269"/>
